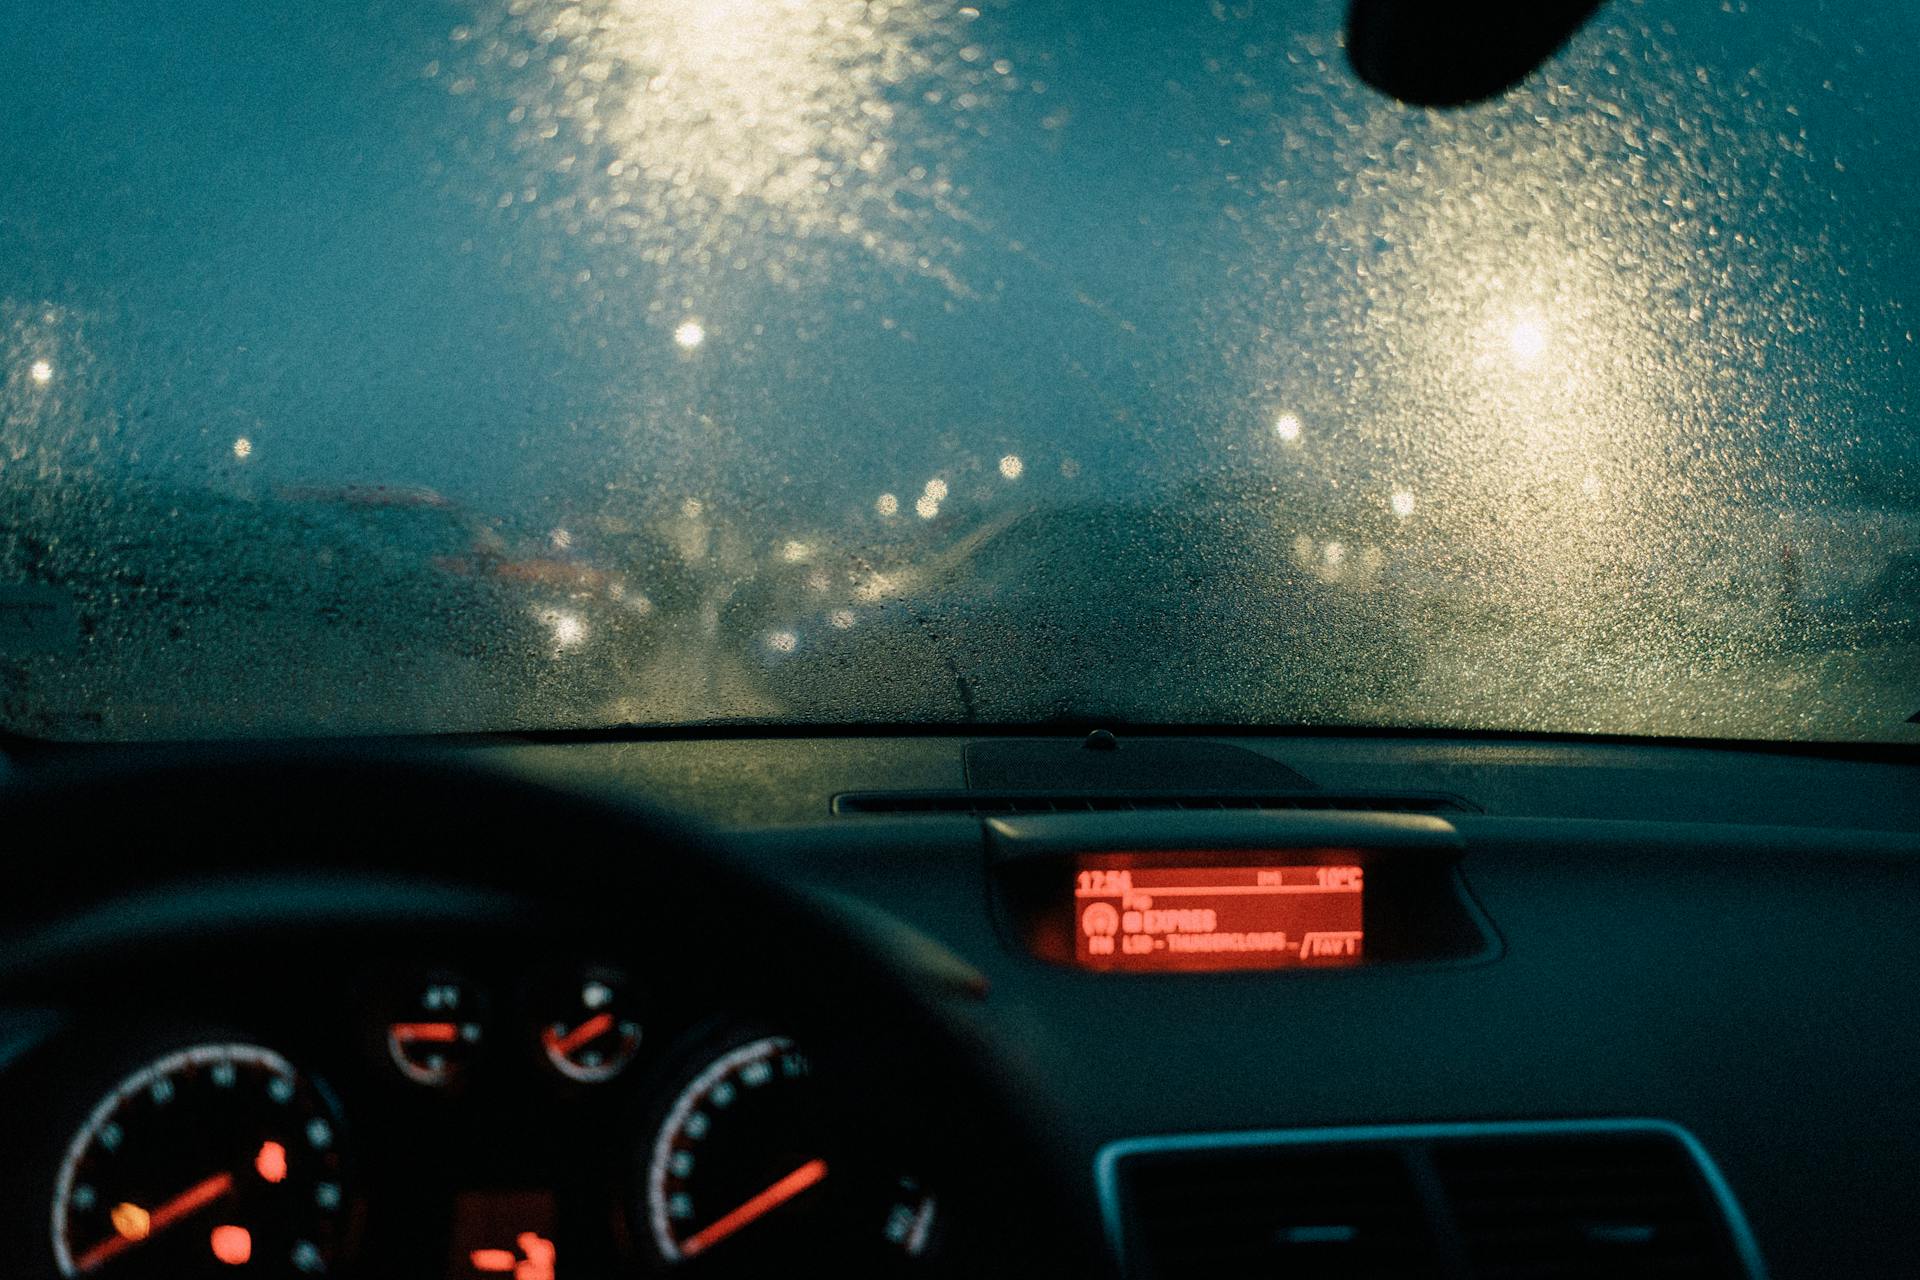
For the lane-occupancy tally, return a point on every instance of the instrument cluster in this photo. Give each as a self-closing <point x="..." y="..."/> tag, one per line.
<point x="437" y="1122"/>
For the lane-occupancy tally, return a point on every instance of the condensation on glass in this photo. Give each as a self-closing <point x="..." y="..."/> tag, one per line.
<point x="541" y="363"/>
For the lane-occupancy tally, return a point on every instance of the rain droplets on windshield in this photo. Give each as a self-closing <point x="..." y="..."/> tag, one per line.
<point x="554" y="363"/>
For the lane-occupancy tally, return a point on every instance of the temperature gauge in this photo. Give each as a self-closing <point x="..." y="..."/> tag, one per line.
<point x="437" y="1036"/>
<point x="594" y="1031"/>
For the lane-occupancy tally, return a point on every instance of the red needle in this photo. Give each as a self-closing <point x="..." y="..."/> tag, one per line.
<point x="195" y="1197"/>
<point x="758" y="1207"/>
<point x="408" y="1032"/>
<point x="599" y="1024"/>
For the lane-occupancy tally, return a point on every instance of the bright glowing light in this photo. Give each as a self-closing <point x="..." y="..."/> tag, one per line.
<point x="566" y="629"/>
<point x="41" y="371"/>
<point x="493" y="1260"/>
<point x="1287" y="427"/>
<point x="927" y="506"/>
<point x="843" y="619"/>
<point x="794" y="551"/>
<point x="1527" y="339"/>
<point x="561" y="539"/>
<point x="726" y="126"/>
<point x="1011" y="466"/>
<point x="130" y="1220"/>
<point x="243" y="448"/>
<point x="937" y="489"/>
<point x="1334" y="552"/>
<point x="887" y="505"/>
<point x="271" y="1162"/>
<point x="1590" y="486"/>
<point x="879" y="586"/>
<point x="232" y="1245"/>
<point x="782" y="641"/>
<point x="689" y="335"/>
<point x="1402" y="503"/>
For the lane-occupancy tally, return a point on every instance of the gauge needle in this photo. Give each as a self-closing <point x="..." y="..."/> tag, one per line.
<point x="196" y="1197"/>
<point x="408" y="1032"/>
<point x="766" y="1202"/>
<point x="599" y="1024"/>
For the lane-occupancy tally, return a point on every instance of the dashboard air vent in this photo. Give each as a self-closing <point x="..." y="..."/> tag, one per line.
<point x="1337" y="1213"/>
<point x="994" y="803"/>
<point x="1625" y="1205"/>
<point x="1556" y="1201"/>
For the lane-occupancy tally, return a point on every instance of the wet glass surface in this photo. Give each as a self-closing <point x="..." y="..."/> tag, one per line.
<point x="559" y="363"/>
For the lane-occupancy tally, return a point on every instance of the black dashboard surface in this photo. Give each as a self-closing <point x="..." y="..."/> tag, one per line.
<point x="1718" y="939"/>
<point x="755" y="782"/>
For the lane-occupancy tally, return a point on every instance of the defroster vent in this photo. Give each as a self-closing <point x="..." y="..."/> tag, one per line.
<point x="991" y="803"/>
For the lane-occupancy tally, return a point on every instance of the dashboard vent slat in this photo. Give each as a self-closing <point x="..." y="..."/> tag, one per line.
<point x="1550" y="1201"/>
<point x="1628" y="1205"/>
<point x="1000" y="803"/>
<point x="1335" y="1214"/>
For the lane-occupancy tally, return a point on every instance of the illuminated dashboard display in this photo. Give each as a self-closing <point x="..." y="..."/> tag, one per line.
<point x="1152" y="913"/>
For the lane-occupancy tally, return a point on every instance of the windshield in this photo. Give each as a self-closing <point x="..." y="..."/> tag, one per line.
<point x="382" y="366"/>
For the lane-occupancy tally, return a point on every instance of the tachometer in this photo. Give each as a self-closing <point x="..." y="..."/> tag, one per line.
<point x="749" y="1171"/>
<point x="210" y="1160"/>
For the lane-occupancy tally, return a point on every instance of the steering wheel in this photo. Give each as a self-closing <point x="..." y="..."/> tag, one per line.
<point x="146" y="879"/>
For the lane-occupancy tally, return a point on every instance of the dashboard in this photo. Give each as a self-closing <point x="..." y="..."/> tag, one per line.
<point x="713" y="1008"/>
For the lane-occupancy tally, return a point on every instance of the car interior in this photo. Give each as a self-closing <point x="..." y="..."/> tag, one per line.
<point x="1622" y="1008"/>
<point x="1066" y="990"/>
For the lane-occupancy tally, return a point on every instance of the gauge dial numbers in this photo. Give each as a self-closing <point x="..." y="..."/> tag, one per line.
<point x="747" y="1172"/>
<point x="211" y="1159"/>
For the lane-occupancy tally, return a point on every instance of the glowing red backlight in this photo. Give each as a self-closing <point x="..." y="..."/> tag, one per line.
<point x="271" y="1162"/>
<point x="503" y="1233"/>
<point x="537" y="1265"/>
<point x="1162" y="913"/>
<point x="232" y="1245"/>
<point x="540" y="1257"/>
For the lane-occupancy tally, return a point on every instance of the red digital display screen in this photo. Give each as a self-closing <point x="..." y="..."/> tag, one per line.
<point x="1157" y="913"/>
<point x="509" y="1234"/>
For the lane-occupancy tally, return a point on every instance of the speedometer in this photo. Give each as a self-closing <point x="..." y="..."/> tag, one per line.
<point x="749" y="1171"/>
<point x="214" y="1161"/>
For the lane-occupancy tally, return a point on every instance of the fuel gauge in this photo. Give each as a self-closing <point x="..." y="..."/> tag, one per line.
<point x="593" y="1031"/>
